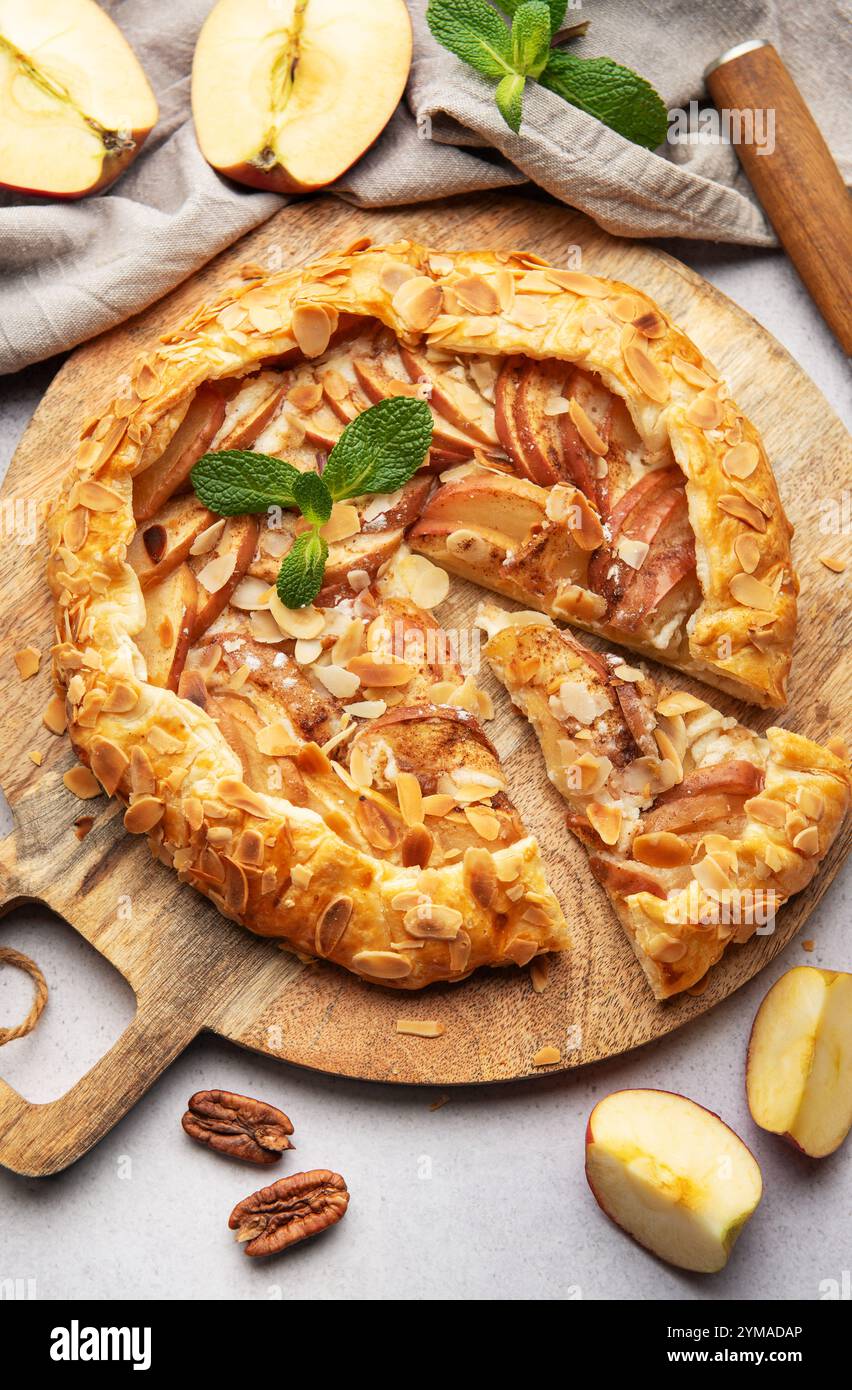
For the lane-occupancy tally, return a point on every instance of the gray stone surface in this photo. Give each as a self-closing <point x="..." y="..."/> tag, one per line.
<point x="482" y="1198"/>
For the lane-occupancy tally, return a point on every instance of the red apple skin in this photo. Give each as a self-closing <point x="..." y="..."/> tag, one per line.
<point x="112" y="168"/>
<point x="590" y="1139"/>
<point x="788" y="1138"/>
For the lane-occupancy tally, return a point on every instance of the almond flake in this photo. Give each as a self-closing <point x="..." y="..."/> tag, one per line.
<point x="163" y="741"/>
<point x="747" y="551"/>
<point x="679" y="703"/>
<point x="382" y="965"/>
<point x="645" y="372"/>
<point x="82" y="782"/>
<point x="438" y="804"/>
<point x="336" y="387"/>
<point x="305" y="622"/>
<point x="109" y="764"/>
<point x="586" y="429"/>
<point x="627" y="673"/>
<point x="366" y="709"/>
<point x="547" y="1057"/>
<point x="410" y="798"/>
<point x="661" y="849"/>
<point x="712" y="877"/>
<point x="741" y="460"/>
<point x="27" y="661"/>
<point x="275" y="740"/>
<point x="530" y="313"/>
<point x="433" y="921"/>
<point x="632" y="552"/>
<point x="418" y="302"/>
<point x="752" y="593"/>
<point x="143" y="815"/>
<point x="380" y="675"/>
<point x="625" y="307"/>
<point x="705" y="411"/>
<point x="338" y="681"/>
<point x="606" y="820"/>
<point x="216" y="573"/>
<point x="343" y="523"/>
<point x="305" y="396"/>
<point x="666" y="949"/>
<point x="332" y="925"/>
<point x="477" y="295"/>
<point x="311" y="329"/>
<point x="209" y="538"/>
<point x="807" y="841"/>
<point x="393" y="274"/>
<point x="485" y="823"/>
<point x="96" y="497"/>
<point x="578" y="283"/>
<point x="767" y="811"/>
<point x="360" y="769"/>
<point x="235" y="793"/>
<point x="811" y="801"/>
<point x="420" y="1027"/>
<point x="690" y="372"/>
<point x="743" y="510"/>
<point x="832" y="563"/>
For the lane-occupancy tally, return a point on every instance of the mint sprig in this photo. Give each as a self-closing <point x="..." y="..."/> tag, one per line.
<point x="603" y="88"/>
<point x="236" y="482"/>
<point x="374" y="452"/>
<point x="379" y="451"/>
<point x="613" y="94"/>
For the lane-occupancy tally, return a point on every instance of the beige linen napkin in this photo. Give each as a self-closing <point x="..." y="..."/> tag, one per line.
<point x="71" y="270"/>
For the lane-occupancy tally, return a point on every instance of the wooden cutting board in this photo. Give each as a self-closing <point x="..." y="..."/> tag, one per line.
<point x="190" y="968"/>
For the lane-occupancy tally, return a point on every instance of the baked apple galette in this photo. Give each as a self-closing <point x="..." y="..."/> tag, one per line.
<point x="245" y="556"/>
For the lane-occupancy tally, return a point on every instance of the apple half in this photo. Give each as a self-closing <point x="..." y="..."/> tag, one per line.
<point x="287" y="94"/>
<point x="75" y="105"/>
<point x="672" y="1175"/>
<point x="799" y="1070"/>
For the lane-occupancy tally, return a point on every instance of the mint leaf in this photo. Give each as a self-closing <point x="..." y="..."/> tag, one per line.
<point x="474" y="32"/>
<point x="509" y="97"/>
<point x="302" y="569"/>
<point x="530" y="40"/>
<point x="233" y="482"/>
<point x="313" y="498"/>
<point x="380" y="449"/>
<point x="622" y="99"/>
<point x="557" y="10"/>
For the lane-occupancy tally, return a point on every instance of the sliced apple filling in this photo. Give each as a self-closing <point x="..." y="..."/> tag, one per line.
<point x="602" y="535"/>
<point x="698" y="828"/>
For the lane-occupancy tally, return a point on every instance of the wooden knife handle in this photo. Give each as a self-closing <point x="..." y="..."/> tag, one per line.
<point x="798" y="183"/>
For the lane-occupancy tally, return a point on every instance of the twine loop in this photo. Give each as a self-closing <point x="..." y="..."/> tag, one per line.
<point x="22" y="962"/>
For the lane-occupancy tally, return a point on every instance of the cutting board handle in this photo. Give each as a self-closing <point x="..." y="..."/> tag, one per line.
<point x="36" y="1140"/>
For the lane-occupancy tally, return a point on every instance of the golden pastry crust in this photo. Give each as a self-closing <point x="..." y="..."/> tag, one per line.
<point x="160" y="751"/>
<point x="698" y="829"/>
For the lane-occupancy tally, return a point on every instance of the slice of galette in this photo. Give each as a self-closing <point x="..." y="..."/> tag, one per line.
<point x="698" y="828"/>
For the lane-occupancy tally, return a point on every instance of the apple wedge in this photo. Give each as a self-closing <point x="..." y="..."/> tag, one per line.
<point x="458" y="402"/>
<point x="799" y="1071"/>
<point x="219" y="571"/>
<point x="75" y="106"/>
<point x="377" y="382"/>
<point x="672" y="1175"/>
<point x="249" y="411"/>
<point x="156" y="484"/>
<point x="158" y="548"/>
<point x="164" y="641"/>
<point x="287" y="94"/>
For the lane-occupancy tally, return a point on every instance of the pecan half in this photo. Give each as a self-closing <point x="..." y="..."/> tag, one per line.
<point x="237" y="1125"/>
<point x="290" y="1210"/>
